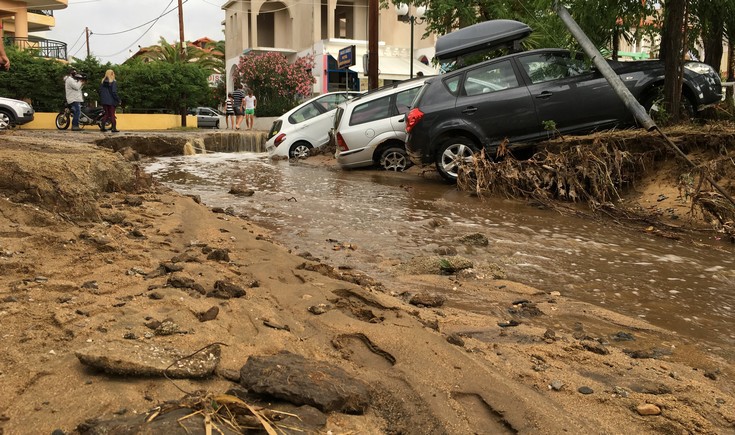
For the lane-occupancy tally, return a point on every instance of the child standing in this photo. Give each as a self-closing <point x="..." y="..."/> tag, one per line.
<point x="230" y="111"/>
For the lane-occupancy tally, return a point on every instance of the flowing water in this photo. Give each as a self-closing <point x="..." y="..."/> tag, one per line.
<point x="685" y="287"/>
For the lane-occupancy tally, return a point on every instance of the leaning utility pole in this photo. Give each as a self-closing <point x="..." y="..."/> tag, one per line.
<point x="87" y="32"/>
<point x="183" y="54"/>
<point x="372" y="44"/>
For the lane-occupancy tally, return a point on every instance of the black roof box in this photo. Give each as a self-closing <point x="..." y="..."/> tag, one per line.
<point x="480" y="37"/>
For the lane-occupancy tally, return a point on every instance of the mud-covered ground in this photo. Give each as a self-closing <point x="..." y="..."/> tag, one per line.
<point x="100" y="266"/>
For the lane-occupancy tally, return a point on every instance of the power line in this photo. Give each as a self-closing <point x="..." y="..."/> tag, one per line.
<point x="75" y="42"/>
<point x="141" y="25"/>
<point x="144" y="33"/>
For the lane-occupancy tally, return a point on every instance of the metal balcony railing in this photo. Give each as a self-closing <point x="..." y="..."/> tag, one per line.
<point x="44" y="47"/>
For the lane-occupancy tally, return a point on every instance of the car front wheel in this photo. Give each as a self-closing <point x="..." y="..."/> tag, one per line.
<point x="394" y="159"/>
<point x="452" y="154"/>
<point x="5" y="120"/>
<point x="299" y="150"/>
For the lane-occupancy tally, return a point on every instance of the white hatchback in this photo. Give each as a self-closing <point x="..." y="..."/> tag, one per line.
<point x="306" y="126"/>
<point x="370" y="130"/>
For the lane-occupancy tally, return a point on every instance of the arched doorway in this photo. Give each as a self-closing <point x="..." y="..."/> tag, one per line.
<point x="272" y="16"/>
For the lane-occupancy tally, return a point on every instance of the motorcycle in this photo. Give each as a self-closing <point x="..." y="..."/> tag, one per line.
<point x="89" y="116"/>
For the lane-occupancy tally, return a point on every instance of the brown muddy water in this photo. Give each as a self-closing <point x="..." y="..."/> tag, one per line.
<point x="684" y="287"/>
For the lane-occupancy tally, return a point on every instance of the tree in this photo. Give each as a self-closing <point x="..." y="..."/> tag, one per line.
<point x="277" y="84"/>
<point x="156" y="85"/>
<point x="34" y="79"/>
<point x="672" y="53"/>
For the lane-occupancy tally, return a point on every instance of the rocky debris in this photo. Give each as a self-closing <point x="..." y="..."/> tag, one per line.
<point x="427" y="300"/>
<point x="455" y="339"/>
<point x="556" y="385"/>
<point x="550" y="336"/>
<point x="319" y="309"/>
<point x="654" y="388"/>
<point x="167" y="327"/>
<point x="434" y="264"/>
<point x="295" y="379"/>
<point x="524" y="308"/>
<point x="169" y="266"/>
<point x="275" y="325"/>
<point x="622" y="336"/>
<point x="91" y="285"/>
<point x="196" y="198"/>
<point x="178" y="280"/>
<point x="138" y="359"/>
<point x="219" y="255"/>
<point x="594" y="347"/>
<point x="648" y="409"/>
<point x="474" y="239"/>
<point x="134" y="200"/>
<point x="509" y="323"/>
<point x="210" y="314"/>
<point x="185" y="257"/>
<point x="445" y="251"/>
<point x="224" y="289"/>
<point x="241" y="190"/>
<point x="116" y="218"/>
<point x="585" y="390"/>
<point x="655" y="353"/>
<point x="712" y="374"/>
<point x="181" y="421"/>
<point x="129" y="154"/>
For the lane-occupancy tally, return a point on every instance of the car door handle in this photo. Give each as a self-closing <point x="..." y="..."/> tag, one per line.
<point x="544" y="95"/>
<point x="470" y="110"/>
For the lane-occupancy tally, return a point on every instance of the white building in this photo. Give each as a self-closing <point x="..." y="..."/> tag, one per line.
<point x="297" y="28"/>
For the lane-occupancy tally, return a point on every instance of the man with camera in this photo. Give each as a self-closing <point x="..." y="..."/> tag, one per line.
<point x="73" y="85"/>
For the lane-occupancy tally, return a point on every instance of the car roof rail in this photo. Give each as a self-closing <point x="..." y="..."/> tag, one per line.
<point x="391" y="86"/>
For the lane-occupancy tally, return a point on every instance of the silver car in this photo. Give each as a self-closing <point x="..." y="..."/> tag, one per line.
<point x="370" y="130"/>
<point x="206" y="117"/>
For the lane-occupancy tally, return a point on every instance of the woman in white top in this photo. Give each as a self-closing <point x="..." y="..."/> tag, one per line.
<point x="250" y="104"/>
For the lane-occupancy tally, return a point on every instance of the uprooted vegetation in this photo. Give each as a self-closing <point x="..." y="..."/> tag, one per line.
<point x="605" y="170"/>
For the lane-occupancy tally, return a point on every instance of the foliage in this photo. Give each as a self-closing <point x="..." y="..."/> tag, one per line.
<point x="171" y="53"/>
<point x="33" y="79"/>
<point x="277" y="84"/>
<point x="155" y="85"/>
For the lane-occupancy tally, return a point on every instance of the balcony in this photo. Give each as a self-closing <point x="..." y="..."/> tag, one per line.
<point x="47" y="48"/>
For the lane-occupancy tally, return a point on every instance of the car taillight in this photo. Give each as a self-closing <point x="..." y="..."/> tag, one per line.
<point x="280" y="138"/>
<point x="412" y="118"/>
<point x="341" y="144"/>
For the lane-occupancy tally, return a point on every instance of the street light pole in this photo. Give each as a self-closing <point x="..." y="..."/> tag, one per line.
<point x="403" y="15"/>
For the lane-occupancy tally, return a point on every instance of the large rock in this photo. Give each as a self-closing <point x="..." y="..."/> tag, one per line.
<point x="299" y="381"/>
<point x="142" y="359"/>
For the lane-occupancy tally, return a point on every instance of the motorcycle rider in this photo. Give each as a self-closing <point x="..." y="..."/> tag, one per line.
<point x="73" y="84"/>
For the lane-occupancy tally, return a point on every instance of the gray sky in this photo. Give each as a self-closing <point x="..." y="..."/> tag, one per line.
<point x="201" y="18"/>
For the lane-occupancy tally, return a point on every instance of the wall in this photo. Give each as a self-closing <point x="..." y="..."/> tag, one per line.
<point x="125" y="121"/>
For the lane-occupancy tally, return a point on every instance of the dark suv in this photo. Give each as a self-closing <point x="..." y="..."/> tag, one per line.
<point x="515" y="96"/>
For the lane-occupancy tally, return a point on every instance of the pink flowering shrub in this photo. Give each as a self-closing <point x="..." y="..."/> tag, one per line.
<point x="277" y="84"/>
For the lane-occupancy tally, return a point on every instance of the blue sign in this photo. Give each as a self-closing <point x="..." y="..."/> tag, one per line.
<point x="346" y="57"/>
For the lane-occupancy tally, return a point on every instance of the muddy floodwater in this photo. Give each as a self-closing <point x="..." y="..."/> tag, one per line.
<point x="685" y="287"/>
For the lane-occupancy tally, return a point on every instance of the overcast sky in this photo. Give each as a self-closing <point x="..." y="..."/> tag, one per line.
<point x="201" y="18"/>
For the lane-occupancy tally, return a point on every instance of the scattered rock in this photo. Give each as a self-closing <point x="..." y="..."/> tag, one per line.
<point x="648" y="409"/>
<point x="434" y="264"/>
<point x="319" y="309"/>
<point x="297" y="380"/>
<point x="241" y="190"/>
<point x="475" y="239"/>
<point x="585" y="390"/>
<point x="525" y="309"/>
<point x="509" y="323"/>
<point x="115" y="218"/>
<point x="455" y="339"/>
<point x="208" y="315"/>
<point x="595" y="347"/>
<point x="556" y="385"/>
<point x="271" y="324"/>
<point x="224" y="289"/>
<point x="133" y="358"/>
<point x="179" y="421"/>
<point x="170" y="266"/>
<point x="178" y="280"/>
<point x="90" y="285"/>
<point x="622" y="336"/>
<point x="712" y="374"/>
<point x="445" y="251"/>
<point x="550" y="335"/>
<point x="156" y="296"/>
<point x="427" y="300"/>
<point x="167" y="327"/>
<point x="645" y="354"/>
<point x="219" y="255"/>
<point x="196" y="198"/>
<point x="651" y="388"/>
<point x="133" y="201"/>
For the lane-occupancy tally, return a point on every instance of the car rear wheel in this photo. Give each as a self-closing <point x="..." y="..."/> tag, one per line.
<point x="5" y="120"/>
<point x="300" y="150"/>
<point x="453" y="153"/>
<point x="394" y="159"/>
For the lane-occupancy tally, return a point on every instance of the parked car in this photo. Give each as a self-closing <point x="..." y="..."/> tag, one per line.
<point x="14" y="112"/>
<point x="206" y="116"/>
<point x="306" y="126"/>
<point x="370" y="130"/>
<point x="512" y="98"/>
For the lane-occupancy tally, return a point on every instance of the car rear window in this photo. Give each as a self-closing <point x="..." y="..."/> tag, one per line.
<point x="304" y="114"/>
<point x="379" y="108"/>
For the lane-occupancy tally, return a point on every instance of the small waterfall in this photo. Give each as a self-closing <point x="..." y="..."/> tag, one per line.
<point x="235" y="142"/>
<point x="195" y="146"/>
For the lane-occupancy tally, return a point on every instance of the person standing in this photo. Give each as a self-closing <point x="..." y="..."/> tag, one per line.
<point x="230" y="111"/>
<point x="73" y="84"/>
<point x="250" y="104"/>
<point x="110" y="100"/>
<point x="237" y="99"/>
<point x="4" y="61"/>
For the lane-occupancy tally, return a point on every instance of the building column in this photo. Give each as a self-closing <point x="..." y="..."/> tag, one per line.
<point x="21" y="21"/>
<point x="331" y="7"/>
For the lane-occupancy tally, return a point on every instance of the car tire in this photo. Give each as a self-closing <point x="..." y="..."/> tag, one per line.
<point x="451" y="154"/>
<point x="394" y="159"/>
<point x="6" y="120"/>
<point x="655" y="96"/>
<point x="300" y="150"/>
<point x="216" y="125"/>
